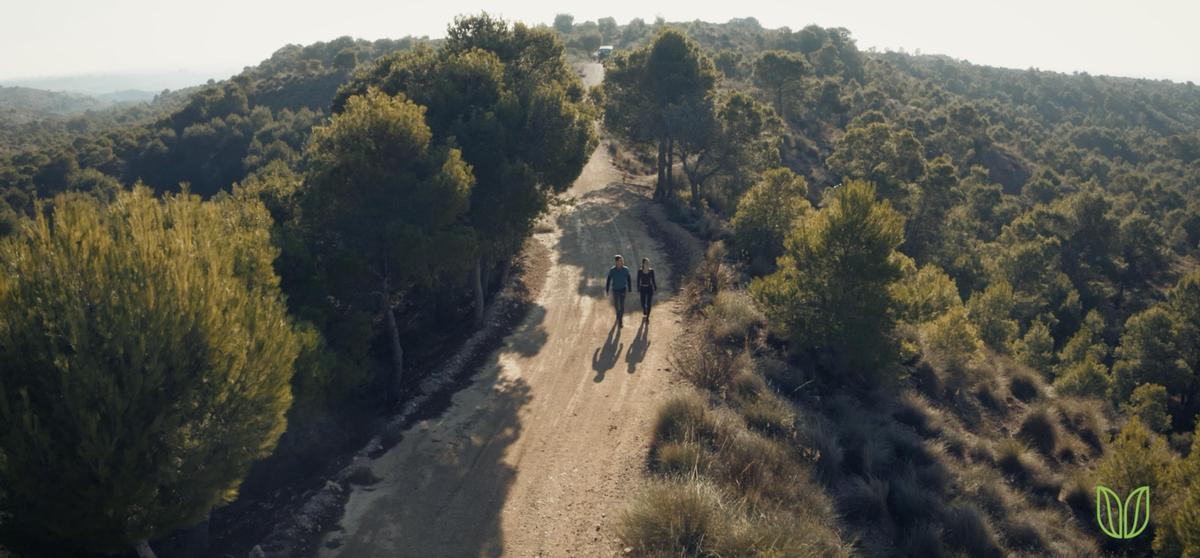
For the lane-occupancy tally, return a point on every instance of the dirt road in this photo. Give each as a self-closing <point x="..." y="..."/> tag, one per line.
<point x="537" y="456"/>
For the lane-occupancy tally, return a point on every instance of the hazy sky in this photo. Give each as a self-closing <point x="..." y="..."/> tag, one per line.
<point x="1140" y="38"/>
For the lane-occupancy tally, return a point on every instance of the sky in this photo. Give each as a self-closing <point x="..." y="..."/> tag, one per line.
<point x="1137" y="38"/>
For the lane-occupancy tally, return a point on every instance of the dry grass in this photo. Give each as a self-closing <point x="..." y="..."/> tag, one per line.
<point x="1039" y="429"/>
<point x="1025" y="385"/>
<point x="703" y="365"/>
<point x="674" y="518"/>
<point x="771" y="416"/>
<point x="1026" y="470"/>
<point x="733" y="317"/>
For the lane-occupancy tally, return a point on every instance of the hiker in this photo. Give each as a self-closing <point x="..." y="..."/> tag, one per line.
<point x="646" y="286"/>
<point x="620" y="282"/>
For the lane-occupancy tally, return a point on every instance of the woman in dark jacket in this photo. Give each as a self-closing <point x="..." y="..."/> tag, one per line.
<point x="646" y="286"/>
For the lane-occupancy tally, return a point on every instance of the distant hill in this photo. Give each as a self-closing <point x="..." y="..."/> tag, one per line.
<point x="99" y="85"/>
<point x="19" y="105"/>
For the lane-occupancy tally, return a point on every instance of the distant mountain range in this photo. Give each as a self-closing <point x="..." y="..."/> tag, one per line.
<point x="118" y="87"/>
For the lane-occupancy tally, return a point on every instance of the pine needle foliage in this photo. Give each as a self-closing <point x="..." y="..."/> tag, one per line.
<point x="145" y="364"/>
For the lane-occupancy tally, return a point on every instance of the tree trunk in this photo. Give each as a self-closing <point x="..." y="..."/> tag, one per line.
<point x="143" y="549"/>
<point x="660" y="186"/>
<point x="670" y="167"/>
<point x="389" y="316"/>
<point x="505" y="271"/>
<point x="477" y="280"/>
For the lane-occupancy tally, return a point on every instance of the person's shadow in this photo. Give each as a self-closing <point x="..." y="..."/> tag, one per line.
<point x="606" y="357"/>
<point x="638" y="347"/>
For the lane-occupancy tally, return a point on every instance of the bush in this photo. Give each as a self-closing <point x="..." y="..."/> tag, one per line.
<point x="758" y="468"/>
<point x="1026" y="470"/>
<point x="839" y="307"/>
<point x="951" y="342"/>
<point x="991" y="311"/>
<point x="733" y="316"/>
<point x="747" y="386"/>
<point x="683" y="418"/>
<point x="818" y="439"/>
<point x="673" y="519"/>
<point x="913" y="410"/>
<point x="145" y="361"/>
<point x="1024" y="386"/>
<point x="678" y="458"/>
<point x="702" y="365"/>
<point x="1148" y="402"/>
<point x="1084" y="418"/>
<point x="986" y="393"/>
<point x="766" y="213"/>
<point x="1178" y="519"/>
<point x="966" y="529"/>
<point x="864" y="500"/>
<point x="1083" y="379"/>
<point x="924" y="295"/>
<point x="1039" y="428"/>
<point x="1137" y="457"/>
<point x="771" y="416"/>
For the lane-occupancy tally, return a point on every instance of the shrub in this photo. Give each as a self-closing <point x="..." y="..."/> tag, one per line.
<point x="1178" y="521"/>
<point x="682" y="418"/>
<point x="758" y="468"/>
<point x="950" y="341"/>
<point x="966" y="529"/>
<point x="747" y="386"/>
<point x="991" y="311"/>
<point x="864" y="500"/>
<point x="678" y="458"/>
<point x="924" y="295"/>
<point x="1083" y="379"/>
<point x="1039" y="428"/>
<point x="1024" y="386"/>
<point x="676" y="518"/>
<point x="702" y="365"/>
<point x="912" y="410"/>
<point x="1137" y="457"/>
<point x="1148" y="402"/>
<point x="818" y="439"/>
<point x="145" y="361"/>
<point x="771" y="416"/>
<point x="1026" y="470"/>
<point x="839" y="307"/>
<point x="733" y="316"/>
<point x="909" y="503"/>
<point x="1085" y="419"/>
<point x="986" y="393"/>
<point x="923" y="540"/>
<point x="766" y="213"/>
<point x="1036" y="348"/>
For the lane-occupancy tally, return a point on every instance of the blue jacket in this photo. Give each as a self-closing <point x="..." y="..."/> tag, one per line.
<point x="618" y="279"/>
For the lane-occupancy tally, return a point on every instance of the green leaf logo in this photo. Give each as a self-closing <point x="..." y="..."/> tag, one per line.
<point x="1113" y="516"/>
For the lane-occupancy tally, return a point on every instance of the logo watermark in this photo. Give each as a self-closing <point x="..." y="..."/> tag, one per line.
<point x="1114" y="517"/>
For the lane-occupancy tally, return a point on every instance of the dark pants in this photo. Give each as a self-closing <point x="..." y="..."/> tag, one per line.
<point x="619" y="303"/>
<point x="647" y="296"/>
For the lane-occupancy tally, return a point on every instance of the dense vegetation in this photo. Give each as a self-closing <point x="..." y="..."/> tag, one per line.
<point x="319" y="213"/>
<point x="955" y="298"/>
<point x="1011" y="251"/>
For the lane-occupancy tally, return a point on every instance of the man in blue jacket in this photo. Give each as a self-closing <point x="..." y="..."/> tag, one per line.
<point x="619" y="281"/>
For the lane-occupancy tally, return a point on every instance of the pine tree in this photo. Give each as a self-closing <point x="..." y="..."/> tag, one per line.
<point x="832" y="292"/>
<point x="145" y="361"/>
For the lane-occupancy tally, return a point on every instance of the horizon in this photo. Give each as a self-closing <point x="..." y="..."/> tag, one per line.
<point x="1067" y="38"/>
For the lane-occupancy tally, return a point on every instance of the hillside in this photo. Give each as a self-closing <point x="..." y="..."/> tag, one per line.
<point x="908" y="305"/>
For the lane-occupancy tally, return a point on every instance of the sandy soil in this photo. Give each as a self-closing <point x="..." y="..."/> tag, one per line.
<point x="537" y="456"/>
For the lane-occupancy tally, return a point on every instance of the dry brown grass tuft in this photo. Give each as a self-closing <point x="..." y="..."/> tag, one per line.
<point x="1039" y="429"/>
<point x="703" y="365"/>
